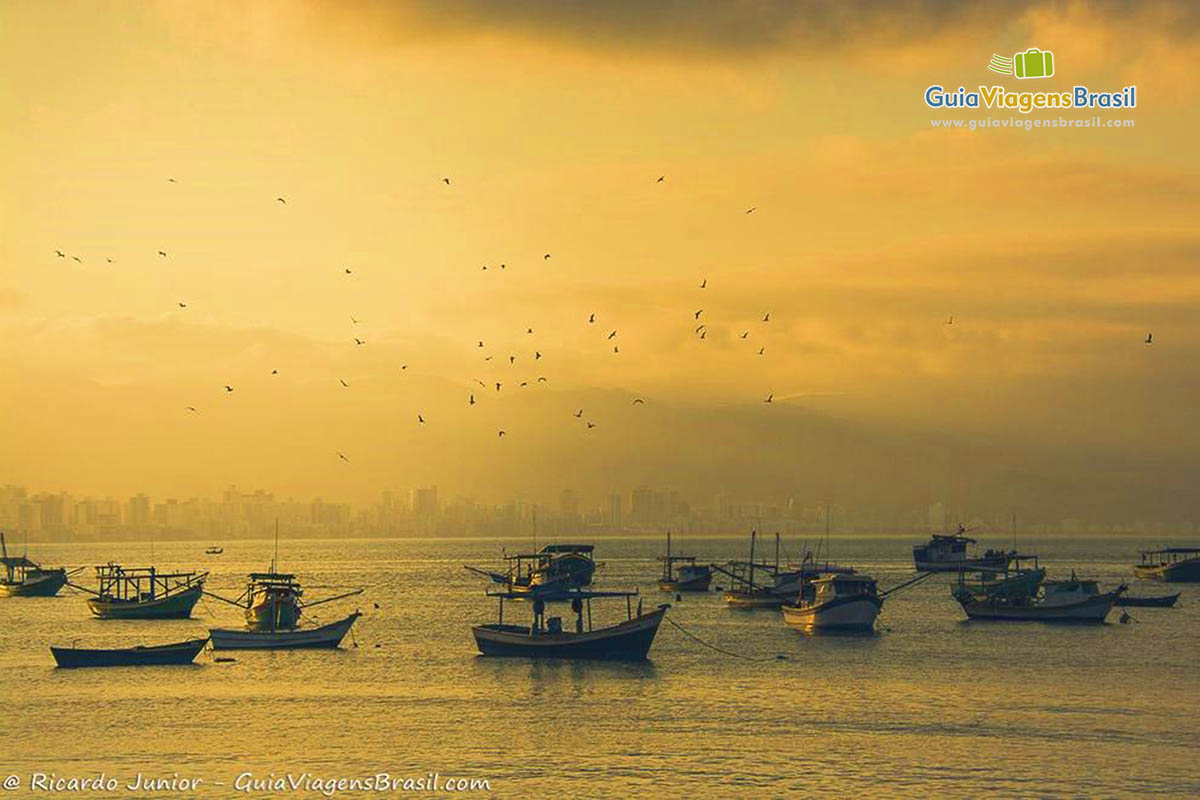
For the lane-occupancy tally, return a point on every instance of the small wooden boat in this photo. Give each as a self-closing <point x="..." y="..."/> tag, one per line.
<point x="1017" y="579"/>
<point x="1058" y="601"/>
<point x="1171" y="564"/>
<point x="1159" y="601"/>
<point x="144" y="593"/>
<point x="326" y="636"/>
<point x="947" y="552"/>
<point x="140" y="656"/>
<point x="745" y="591"/>
<point x="25" y="578"/>
<point x="214" y="551"/>
<point x="546" y="638"/>
<point x="552" y="570"/>
<point x="838" y="602"/>
<point x="682" y="573"/>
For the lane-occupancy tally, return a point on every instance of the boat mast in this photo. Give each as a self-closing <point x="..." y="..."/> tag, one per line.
<point x="753" y="536"/>
<point x="826" y="534"/>
<point x="776" y="552"/>
<point x="275" y="558"/>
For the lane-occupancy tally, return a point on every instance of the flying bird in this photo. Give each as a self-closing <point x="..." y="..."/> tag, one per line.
<point x="660" y="178"/>
<point x="529" y="330"/>
<point x="342" y="456"/>
<point x="1149" y="338"/>
<point x="745" y="334"/>
<point x="591" y="425"/>
<point x="281" y="200"/>
<point x="591" y="318"/>
<point x="109" y="260"/>
<point x="77" y="259"/>
<point x="348" y="272"/>
<point x="579" y="413"/>
<point x="501" y="433"/>
<point x="60" y="254"/>
<point x="697" y="314"/>
<point x="639" y="401"/>
<point x="541" y="379"/>
<point x="162" y="253"/>
<point x="192" y="409"/>
<point x="471" y="400"/>
<point x="358" y="341"/>
<point x="524" y="383"/>
<point x="274" y="372"/>
<point x="420" y="419"/>
<point x="700" y="327"/>
<point x="751" y="209"/>
<point x="498" y="386"/>
<point x="353" y="320"/>
<point x="228" y="388"/>
<point x="480" y="344"/>
<point x="703" y="334"/>
<point x="760" y="350"/>
<point x="767" y="317"/>
<point x="546" y="257"/>
<point x="170" y="180"/>
<point x="183" y="305"/>
<point x="611" y="335"/>
<point x="770" y="398"/>
<point x="512" y="359"/>
<point x="616" y="349"/>
<point x="536" y="355"/>
<point x="704" y="283"/>
<point x="481" y="383"/>
<point x="404" y="366"/>
<point x="342" y="381"/>
<point x="446" y="181"/>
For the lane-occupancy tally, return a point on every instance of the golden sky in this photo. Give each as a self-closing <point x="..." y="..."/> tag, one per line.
<point x="1055" y="251"/>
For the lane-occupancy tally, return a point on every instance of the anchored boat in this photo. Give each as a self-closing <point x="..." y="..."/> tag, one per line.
<point x="553" y="569"/>
<point x="25" y="578"/>
<point x="1171" y="564"/>
<point x="1057" y="601"/>
<point x="1019" y="579"/>
<point x="947" y="552"/>
<point x="326" y="636"/>
<point x="547" y="638"/>
<point x="682" y="573"/>
<point x="836" y="602"/>
<point x="139" y="656"/>
<point x="143" y="593"/>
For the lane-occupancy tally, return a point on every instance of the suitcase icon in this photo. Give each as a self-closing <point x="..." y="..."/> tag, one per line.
<point x="1033" y="63"/>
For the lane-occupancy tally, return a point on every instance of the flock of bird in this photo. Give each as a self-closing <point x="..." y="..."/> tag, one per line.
<point x="700" y="331"/>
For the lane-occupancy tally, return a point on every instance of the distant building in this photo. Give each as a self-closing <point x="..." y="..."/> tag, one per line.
<point x="425" y="502"/>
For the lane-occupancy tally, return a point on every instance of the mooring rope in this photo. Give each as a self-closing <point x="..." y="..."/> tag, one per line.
<point x="690" y="635"/>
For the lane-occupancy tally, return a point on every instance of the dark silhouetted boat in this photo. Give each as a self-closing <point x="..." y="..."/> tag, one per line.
<point x="139" y="656"/>
<point x="144" y="593"/>
<point x="1159" y="601"/>
<point x="1171" y="564"/>
<point x="547" y="638"/>
<point x="214" y="551"/>
<point x="1057" y="601"/>
<point x="682" y="573"/>
<point x="947" y="552"/>
<point x="25" y="578"/>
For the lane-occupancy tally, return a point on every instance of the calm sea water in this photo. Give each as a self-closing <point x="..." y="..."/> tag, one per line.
<point x="931" y="705"/>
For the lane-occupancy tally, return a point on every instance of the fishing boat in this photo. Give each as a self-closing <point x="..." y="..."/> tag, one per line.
<point x="1057" y="601"/>
<point x="272" y="604"/>
<point x="1171" y="564"/>
<point x="214" y="551"/>
<point x="682" y="573"/>
<point x="836" y="602"/>
<point x="139" y="656"/>
<point x="745" y="591"/>
<point x="552" y="570"/>
<point x="143" y="593"/>
<point x="25" y="578"/>
<point x="1018" y="579"/>
<point x="947" y="552"/>
<point x="326" y="636"/>
<point x="547" y="638"/>
<point x="1158" y="601"/>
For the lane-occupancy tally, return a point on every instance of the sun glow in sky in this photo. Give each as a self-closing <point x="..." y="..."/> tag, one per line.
<point x="128" y="129"/>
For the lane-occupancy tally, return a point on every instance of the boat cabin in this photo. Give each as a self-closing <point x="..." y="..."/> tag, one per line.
<point x="832" y="587"/>
<point x="1168" y="556"/>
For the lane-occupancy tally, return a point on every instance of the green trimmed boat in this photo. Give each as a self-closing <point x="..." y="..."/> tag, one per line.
<point x="1019" y="580"/>
<point x="144" y="593"/>
<point x="25" y="578"/>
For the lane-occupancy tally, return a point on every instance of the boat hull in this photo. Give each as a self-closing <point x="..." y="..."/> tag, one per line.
<point x="325" y="637"/>
<point x="693" y="585"/>
<point x="1162" y="601"/>
<point x="160" y="655"/>
<point x="1178" y="572"/>
<point x="753" y="600"/>
<point x="628" y="641"/>
<point x="177" y="605"/>
<point x="1094" y="609"/>
<point x="995" y="563"/>
<point x="841" y="614"/>
<point x="48" y="584"/>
